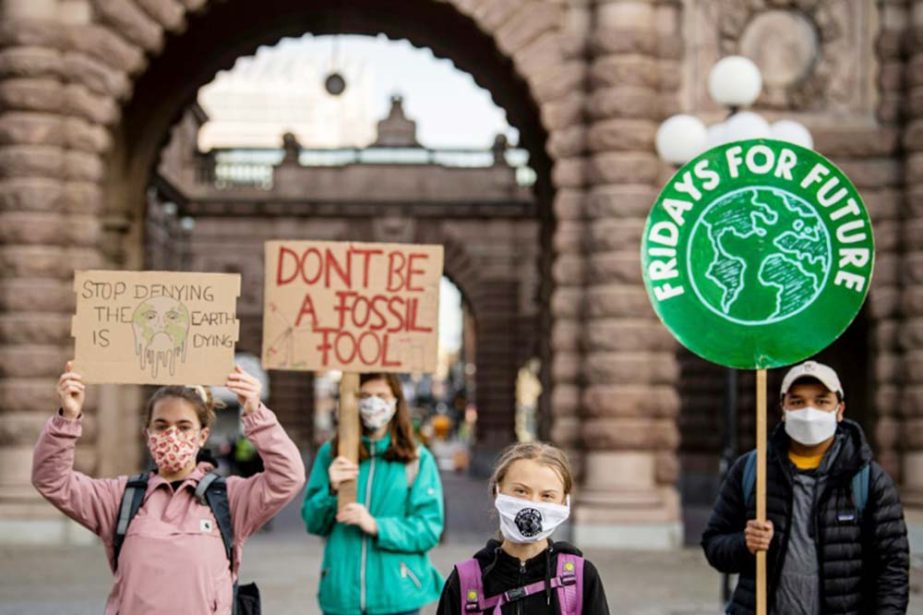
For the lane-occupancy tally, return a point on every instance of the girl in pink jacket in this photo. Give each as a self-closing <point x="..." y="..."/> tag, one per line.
<point x="173" y="559"/>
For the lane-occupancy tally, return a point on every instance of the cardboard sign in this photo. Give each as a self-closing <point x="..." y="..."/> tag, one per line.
<point x="758" y="254"/>
<point x="355" y="307"/>
<point x="155" y="327"/>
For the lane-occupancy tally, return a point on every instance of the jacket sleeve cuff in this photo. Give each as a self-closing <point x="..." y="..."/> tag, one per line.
<point x="261" y="417"/>
<point x="60" y="425"/>
<point x="743" y="553"/>
<point x="322" y="502"/>
<point x="328" y="499"/>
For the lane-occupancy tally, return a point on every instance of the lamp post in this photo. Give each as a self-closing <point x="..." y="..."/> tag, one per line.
<point x="734" y="82"/>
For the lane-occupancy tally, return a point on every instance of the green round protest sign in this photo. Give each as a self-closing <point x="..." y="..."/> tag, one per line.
<point x="758" y="254"/>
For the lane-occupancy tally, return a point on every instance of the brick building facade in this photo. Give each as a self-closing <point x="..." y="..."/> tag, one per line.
<point x="89" y="90"/>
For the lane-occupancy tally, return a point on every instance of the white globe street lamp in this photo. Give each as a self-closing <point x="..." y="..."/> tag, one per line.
<point x="746" y="125"/>
<point x="735" y="81"/>
<point x="793" y="132"/>
<point x="716" y="135"/>
<point x="680" y="138"/>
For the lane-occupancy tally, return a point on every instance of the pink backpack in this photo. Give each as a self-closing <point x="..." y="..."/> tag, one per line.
<point x="568" y="583"/>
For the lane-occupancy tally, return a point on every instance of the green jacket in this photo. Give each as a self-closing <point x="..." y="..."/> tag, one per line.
<point x="392" y="572"/>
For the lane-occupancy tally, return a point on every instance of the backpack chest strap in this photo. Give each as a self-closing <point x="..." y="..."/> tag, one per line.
<point x="212" y="491"/>
<point x="512" y="595"/>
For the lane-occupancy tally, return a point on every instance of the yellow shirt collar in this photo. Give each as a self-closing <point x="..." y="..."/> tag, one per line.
<point x="805" y="462"/>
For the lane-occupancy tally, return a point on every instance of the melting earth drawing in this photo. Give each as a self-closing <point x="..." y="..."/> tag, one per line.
<point x="161" y="330"/>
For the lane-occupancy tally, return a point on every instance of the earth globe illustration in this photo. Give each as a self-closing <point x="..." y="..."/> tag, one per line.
<point x="759" y="255"/>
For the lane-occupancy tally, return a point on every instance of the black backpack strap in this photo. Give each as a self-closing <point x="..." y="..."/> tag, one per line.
<point x="203" y="486"/>
<point x="132" y="498"/>
<point x="212" y="491"/>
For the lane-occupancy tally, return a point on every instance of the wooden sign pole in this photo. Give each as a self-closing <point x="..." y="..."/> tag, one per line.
<point x="348" y="433"/>
<point x="761" y="486"/>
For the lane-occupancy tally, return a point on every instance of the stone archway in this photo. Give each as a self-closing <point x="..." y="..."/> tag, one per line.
<point x="90" y="88"/>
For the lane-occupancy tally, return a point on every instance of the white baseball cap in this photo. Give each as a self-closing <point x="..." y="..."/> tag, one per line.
<point x="818" y="371"/>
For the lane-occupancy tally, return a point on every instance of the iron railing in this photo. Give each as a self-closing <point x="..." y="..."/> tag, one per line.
<point x="254" y="167"/>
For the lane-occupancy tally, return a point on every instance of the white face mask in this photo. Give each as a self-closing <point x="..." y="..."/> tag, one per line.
<point x="523" y="521"/>
<point x="810" y="426"/>
<point x="376" y="412"/>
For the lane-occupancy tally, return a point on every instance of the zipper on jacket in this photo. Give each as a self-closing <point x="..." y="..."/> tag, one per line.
<point x="776" y="572"/>
<point x="368" y="507"/>
<point x="406" y="572"/>
<point x="822" y="496"/>
<point x="522" y="583"/>
<point x="818" y="553"/>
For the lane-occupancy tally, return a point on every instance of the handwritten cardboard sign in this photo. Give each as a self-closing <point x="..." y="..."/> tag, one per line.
<point x="355" y="307"/>
<point x="155" y="327"/>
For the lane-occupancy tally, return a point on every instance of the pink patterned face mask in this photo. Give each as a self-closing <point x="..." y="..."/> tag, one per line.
<point x="172" y="449"/>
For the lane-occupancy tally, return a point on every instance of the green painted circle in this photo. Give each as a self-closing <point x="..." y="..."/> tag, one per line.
<point x="758" y="254"/>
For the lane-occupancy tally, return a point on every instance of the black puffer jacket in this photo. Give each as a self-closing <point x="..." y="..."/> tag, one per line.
<point x="501" y="572"/>
<point x="864" y="570"/>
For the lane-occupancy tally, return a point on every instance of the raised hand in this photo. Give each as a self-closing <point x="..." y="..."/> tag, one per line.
<point x="71" y="392"/>
<point x="246" y="387"/>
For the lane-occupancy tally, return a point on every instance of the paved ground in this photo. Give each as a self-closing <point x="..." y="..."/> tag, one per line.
<point x="285" y="563"/>
<point x="75" y="580"/>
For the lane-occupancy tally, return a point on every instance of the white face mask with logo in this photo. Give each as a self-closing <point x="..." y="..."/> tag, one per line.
<point x="376" y="412"/>
<point x="810" y="426"/>
<point x="523" y="521"/>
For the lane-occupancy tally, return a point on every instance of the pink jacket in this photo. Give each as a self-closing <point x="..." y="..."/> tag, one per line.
<point x="171" y="562"/>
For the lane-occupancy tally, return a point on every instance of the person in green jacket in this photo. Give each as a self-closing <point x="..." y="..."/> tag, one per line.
<point x="376" y="558"/>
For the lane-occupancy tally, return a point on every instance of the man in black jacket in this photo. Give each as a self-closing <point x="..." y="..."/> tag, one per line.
<point x="835" y="544"/>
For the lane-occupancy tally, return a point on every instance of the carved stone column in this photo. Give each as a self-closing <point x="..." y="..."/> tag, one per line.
<point x="912" y="338"/>
<point x="567" y="145"/>
<point x="34" y="296"/>
<point x="57" y="99"/>
<point x="628" y="497"/>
